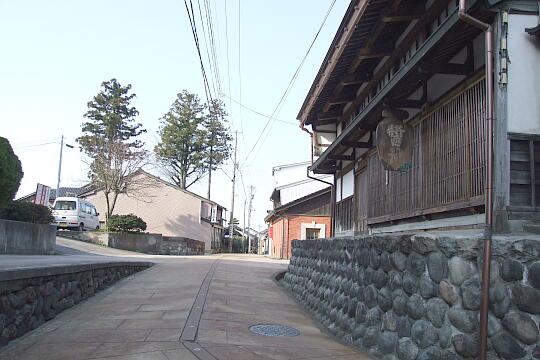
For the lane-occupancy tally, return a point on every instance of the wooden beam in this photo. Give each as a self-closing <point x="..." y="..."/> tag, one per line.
<point x="325" y="122"/>
<point x="341" y="157"/>
<point x="451" y="69"/>
<point x="375" y="51"/>
<point x="357" y="78"/>
<point x="403" y="14"/>
<point x="358" y="144"/>
<point x="407" y="103"/>
<point x="342" y="99"/>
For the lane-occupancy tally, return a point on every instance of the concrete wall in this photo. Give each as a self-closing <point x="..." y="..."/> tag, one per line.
<point x="416" y="297"/>
<point x="22" y="238"/>
<point x="165" y="209"/>
<point x="28" y="299"/>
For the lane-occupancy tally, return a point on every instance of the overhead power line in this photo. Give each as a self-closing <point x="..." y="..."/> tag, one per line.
<point x="289" y="86"/>
<point x="257" y="112"/>
<point x="34" y="145"/>
<point x="191" y="16"/>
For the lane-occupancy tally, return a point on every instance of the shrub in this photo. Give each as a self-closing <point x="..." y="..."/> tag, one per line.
<point x="10" y="172"/>
<point x="27" y="212"/>
<point x="126" y="223"/>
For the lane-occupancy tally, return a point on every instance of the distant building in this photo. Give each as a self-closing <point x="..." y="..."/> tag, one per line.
<point x="301" y="208"/>
<point x="64" y="191"/>
<point x="167" y="210"/>
<point x="304" y="218"/>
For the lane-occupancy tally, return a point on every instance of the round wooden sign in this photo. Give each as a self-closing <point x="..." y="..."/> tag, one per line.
<point x="395" y="141"/>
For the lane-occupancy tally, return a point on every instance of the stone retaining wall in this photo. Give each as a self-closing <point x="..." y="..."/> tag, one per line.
<point x="174" y="245"/>
<point x="23" y="238"/>
<point x="418" y="296"/>
<point x="27" y="302"/>
<point x="155" y="244"/>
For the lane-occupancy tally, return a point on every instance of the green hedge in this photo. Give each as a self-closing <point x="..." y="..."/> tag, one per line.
<point x="10" y="172"/>
<point x="27" y="212"/>
<point x="126" y="223"/>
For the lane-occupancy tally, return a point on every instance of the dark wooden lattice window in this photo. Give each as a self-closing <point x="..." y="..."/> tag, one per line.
<point x="525" y="171"/>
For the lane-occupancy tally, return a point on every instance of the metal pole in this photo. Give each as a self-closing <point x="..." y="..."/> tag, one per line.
<point x="210" y="176"/>
<point x="59" y="167"/>
<point x="231" y="225"/>
<point x="488" y="230"/>
<point x="251" y="195"/>
<point x="244" y="223"/>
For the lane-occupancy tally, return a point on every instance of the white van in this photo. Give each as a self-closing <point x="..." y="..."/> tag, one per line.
<point x="75" y="213"/>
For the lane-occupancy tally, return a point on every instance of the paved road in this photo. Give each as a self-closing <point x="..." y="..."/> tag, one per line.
<point x="205" y="304"/>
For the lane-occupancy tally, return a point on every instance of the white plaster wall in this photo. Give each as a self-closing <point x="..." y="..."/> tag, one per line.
<point x="289" y="174"/>
<point x="296" y="192"/>
<point x="523" y="76"/>
<point x="338" y="189"/>
<point x="348" y="185"/>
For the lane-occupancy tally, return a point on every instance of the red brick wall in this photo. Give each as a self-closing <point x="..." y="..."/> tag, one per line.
<point x="277" y="238"/>
<point x="290" y="228"/>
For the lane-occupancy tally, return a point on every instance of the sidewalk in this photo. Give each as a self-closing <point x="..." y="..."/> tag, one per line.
<point x="145" y="317"/>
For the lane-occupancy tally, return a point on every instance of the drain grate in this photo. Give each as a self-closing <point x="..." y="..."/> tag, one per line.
<point x="274" y="330"/>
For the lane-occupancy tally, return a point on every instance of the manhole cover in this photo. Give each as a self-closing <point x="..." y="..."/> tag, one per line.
<point x="274" y="330"/>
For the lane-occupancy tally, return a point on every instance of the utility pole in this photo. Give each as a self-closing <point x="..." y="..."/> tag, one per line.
<point x="244" y="223"/>
<point x="210" y="174"/>
<point x="251" y="196"/>
<point x="231" y="225"/>
<point x="59" y="166"/>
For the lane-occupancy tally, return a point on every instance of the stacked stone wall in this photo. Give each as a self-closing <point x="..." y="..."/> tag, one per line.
<point x="27" y="303"/>
<point x="417" y="297"/>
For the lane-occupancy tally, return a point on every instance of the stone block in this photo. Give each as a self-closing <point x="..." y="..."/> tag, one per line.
<point x="448" y="292"/>
<point x="522" y="327"/>
<point x="527" y="298"/>
<point x="534" y="275"/>
<point x="465" y="345"/>
<point x="423" y="334"/>
<point x="437" y="266"/>
<point x="460" y="270"/>
<point x="470" y="294"/>
<point x="407" y="349"/>
<point x="507" y="348"/>
<point x="512" y="270"/>
<point x="464" y="320"/>
<point x="436" y="311"/>
<point x="387" y="342"/>
<point x="415" y="307"/>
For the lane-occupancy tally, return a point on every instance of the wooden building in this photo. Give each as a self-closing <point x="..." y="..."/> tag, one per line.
<point x="421" y="60"/>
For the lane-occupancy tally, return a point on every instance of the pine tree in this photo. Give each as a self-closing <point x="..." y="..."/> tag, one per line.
<point x="110" y="140"/>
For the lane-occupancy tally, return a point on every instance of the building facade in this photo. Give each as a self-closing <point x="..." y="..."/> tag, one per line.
<point x="305" y="218"/>
<point x="167" y="210"/>
<point x="419" y="68"/>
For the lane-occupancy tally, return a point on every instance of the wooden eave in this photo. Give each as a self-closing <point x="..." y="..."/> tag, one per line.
<point x="451" y="36"/>
<point x="351" y="41"/>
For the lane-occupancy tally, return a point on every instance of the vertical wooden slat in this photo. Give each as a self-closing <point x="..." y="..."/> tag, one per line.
<point x="533" y="175"/>
<point x="448" y="161"/>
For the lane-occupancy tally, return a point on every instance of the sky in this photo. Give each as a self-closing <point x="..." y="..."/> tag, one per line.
<point x="56" y="54"/>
